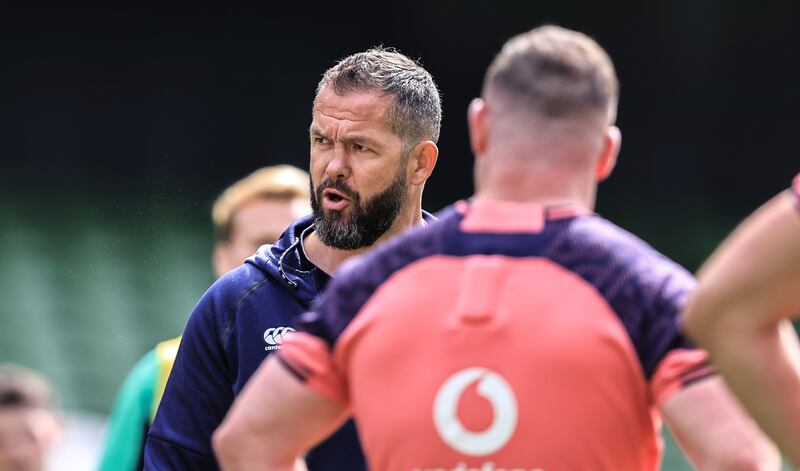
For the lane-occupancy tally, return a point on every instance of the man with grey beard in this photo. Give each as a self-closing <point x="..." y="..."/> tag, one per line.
<point x="521" y="331"/>
<point x="376" y="120"/>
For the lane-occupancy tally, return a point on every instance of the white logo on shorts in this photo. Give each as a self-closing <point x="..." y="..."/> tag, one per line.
<point x="274" y="336"/>
<point x="493" y="388"/>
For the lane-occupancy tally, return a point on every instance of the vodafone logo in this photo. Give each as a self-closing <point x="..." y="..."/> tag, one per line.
<point x="274" y="336"/>
<point x="494" y="389"/>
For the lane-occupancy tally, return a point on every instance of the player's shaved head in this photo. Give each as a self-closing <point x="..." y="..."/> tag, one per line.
<point x="554" y="73"/>
<point x="546" y="117"/>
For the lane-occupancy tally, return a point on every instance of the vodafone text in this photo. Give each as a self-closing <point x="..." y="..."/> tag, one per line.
<point x="487" y="466"/>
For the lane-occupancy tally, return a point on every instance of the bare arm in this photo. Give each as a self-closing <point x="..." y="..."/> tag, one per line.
<point x="756" y="268"/>
<point x="747" y="289"/>
<point x="714" y="432"/>
<point x="273" y="421"/>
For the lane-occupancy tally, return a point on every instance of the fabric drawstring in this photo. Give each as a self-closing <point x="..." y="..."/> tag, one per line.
<point x="293" y="284"/>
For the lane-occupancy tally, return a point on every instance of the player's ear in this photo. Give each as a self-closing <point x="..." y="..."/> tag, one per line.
<point x="612" y="139"/>
<point x="478" y="122"/>
<point x="423" y="159"/>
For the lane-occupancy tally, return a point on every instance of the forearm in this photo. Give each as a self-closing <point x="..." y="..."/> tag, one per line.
<point x="765" y="377"/>
<point x="713" y="430"/>
<point x="237" y="464"/>
<point x="273" y="421"/>
<point x="239" y="445"/>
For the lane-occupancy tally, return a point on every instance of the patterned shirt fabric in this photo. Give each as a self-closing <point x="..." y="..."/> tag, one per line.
<point x="504" y="336"/>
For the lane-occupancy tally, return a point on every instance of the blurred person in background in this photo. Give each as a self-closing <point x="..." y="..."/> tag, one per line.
<point x="520" y="331"/>
<point x="250" y="213"/>
<point x="748" y="290"/>
<point x="376" y="118"/>
<point x="29" y="426"/>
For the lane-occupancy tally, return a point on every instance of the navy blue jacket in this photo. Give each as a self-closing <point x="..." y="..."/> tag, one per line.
<point x="230" y="332"/>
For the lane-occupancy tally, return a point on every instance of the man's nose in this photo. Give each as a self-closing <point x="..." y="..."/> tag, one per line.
<point x="339" y="166"/>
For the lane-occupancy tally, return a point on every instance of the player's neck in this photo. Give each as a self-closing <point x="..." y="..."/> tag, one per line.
<point x="329" y="259"/>
<point x="525" y="184"/>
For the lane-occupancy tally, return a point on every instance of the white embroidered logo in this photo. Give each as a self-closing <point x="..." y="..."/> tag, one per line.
<point x="493" y="388"/>
<point x="274" y="336"/>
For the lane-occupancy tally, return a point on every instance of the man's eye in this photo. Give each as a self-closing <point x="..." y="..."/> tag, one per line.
<point x="320" y="140"/>
<point x="359" y="148"/>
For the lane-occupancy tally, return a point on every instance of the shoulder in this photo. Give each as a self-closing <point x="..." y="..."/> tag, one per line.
<point x="600" y="238"/>
<point x="139" y="384"/>
<point x="144" y="371"/>
<point x="165" y="353"/>
<point x="235" y="285"/>
<point x="620" y="265"/>
<point x="595" y="232"/>
<point x="646" y="290"/>
<point x="145" y="367"/>
<point x="227" y="293"/>
<point x="217" y="309"/>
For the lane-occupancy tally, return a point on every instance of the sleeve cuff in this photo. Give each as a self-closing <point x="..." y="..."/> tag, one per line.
<point x="680" y="368"/>
<point x="310" y="360"/>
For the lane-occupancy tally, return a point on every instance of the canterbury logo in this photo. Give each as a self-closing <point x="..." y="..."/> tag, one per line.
<point x="274" y="336"/>
<point x="494" y="389"/>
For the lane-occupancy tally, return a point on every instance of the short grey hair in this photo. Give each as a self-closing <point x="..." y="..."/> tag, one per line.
<point x="416" y="112"/>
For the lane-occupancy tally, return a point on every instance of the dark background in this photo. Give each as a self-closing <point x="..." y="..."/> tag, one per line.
<point x="119" y="125"/>
<point x="130" y="101"/>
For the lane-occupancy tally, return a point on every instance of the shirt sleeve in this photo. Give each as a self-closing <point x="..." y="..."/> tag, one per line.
<point x="680" y="368"/>
<point x="679" y="362"/>
<point x="310" y="360"/>
<point x="130" y="417"/>
<point x="197" y="395"/>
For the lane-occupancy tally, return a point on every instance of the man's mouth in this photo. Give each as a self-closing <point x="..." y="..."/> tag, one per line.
<point x="334" y="200"/>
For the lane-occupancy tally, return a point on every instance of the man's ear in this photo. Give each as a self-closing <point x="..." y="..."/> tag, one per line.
<point x="478" y="123"/>
<point x="47" y="427"/>
<point x="612" y="139"/>
<point x="423" y="159"/>
<point x="57" y="432"/>
<point x="219" y="258"/>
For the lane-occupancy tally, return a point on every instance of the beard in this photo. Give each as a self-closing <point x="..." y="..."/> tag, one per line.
<point x="368" y="220"/>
